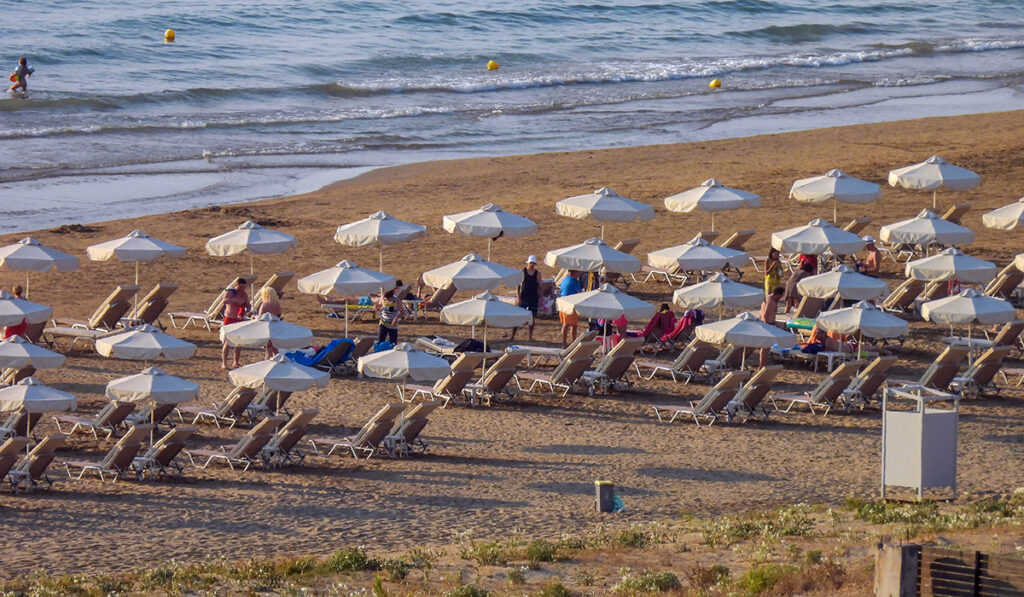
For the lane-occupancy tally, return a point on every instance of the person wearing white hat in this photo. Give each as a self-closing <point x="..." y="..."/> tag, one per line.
<point x="872" y="262"/>
<point x="528" y="293"/>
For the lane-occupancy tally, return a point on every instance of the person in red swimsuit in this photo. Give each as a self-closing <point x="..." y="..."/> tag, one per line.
<point x="20" y="328"/>
<point x="236" y="305"/>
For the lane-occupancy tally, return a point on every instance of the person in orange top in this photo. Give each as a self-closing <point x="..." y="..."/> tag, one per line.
<point x="236" y="305"/>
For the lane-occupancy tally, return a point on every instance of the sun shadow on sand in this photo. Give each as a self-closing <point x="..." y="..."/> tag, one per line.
<point x="696" y="474"/>
<point x="425" y="477"/>
<point x="583" y="450"/>
<point x="587" y="489"/>
<point x="460" y="502"/>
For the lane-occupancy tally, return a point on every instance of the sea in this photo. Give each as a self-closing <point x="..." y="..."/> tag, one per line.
<point x="269" y="98"/>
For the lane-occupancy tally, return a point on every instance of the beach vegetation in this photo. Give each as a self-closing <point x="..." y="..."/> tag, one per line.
<point x="701" y="579"/>
<point x="539" y="550"/>
<point x="396" y="568"/>
<point x="554" y="589"/>
<point x="467" y="591"/>
<point x="516" y="575"/>
<point x="349" y="560"/>
<point x="632" y="537"/>
<point x="484" y="553"/>
<point x="646" y="582"/>
<point x="763" y="577"/>
<point x="791" y="521"/>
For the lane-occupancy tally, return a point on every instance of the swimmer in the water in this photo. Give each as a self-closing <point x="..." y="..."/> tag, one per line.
<point x="22" y="73"/>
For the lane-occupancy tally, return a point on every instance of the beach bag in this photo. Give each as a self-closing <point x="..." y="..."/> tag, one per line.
<point x="382" y="346"/>
<point x="470" y="345"/>
<point x="364" y="301"/>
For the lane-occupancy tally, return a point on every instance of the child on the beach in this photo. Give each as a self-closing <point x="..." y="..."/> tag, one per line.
<point x="21" y="74"/>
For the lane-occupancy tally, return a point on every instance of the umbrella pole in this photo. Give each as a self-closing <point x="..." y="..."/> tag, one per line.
<point x="27" y="277"/>
<point x="136" y="310"/>
<point x="380" y="257"/>
<point x="935" y="199"/>
<point x="712" y="221"/>
<point x="252" y="269"/>
<point x="345" y="315"/>
<point x="602" y="231"/>
<point x="835" y="211"/>
<point x="488" y="248"/>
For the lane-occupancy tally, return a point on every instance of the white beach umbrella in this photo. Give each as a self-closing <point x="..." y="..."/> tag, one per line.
<point x="968" y="307"/>
<point x="256" y="333"/>
<point x="486" y="310"/>
<point x="926" y="228"/>
<point x="951" y="264"/>
<point x="593" y="255"/>
<point x="143" y="343"/>
<point x="711" y="196"/>
<point x="135" y="248"/>
<point x="473" y="272"/>
<point x="1018" y="261"/>
<point x="719" y="290"/>
<point x="604" y="205"/>
<point x="29" y="255"/>
<point x="16" y="353"/>
<point x="932" y="174"/>
<point x="152" y="385"/>
<point x="1007" y="217"/>
<point x="607" y="302"/>
<point x="697" y="254"/>
<point x="845" y="282"/>
<point x="490" y="221"/>
<point x="33" y="397"/>
<point x="744" y="330"/>
<point x="345" y="279"/>
<point x="836" y="186"/>
<point x="817" y="237"/>
<point x="279" y="373"/>
<point x="863" y="319"/>
<point x="404" y="361"/>
<point x="378" y="229"/>
<point x="13" y="310"/>
<point x="251" y="237"/>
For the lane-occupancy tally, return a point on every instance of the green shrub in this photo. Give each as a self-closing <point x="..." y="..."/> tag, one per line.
<point x="791" y="521"/>
<point x="763" y="577"/>
<point x="554" y="589"/>
<point x="348" y="560"/>
<point x="701" y="578"/>
<point x="631" y="537"/>
<point x="515" y="576"/>
<point x="467" y="591"/>
<point x="540" y="550"/>
<point x="484" y="553"/>
<point x="647" y="582"/>
<point x="396" y="568"/>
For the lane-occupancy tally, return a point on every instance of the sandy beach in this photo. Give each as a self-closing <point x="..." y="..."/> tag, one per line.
<point x="528" y="466"/>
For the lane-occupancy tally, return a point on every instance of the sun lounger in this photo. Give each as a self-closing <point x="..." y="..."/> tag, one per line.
<point x="276" y="281"/>
<point x="956" y="212"/>
<point x="102" y="322"/>
<point x="857" y="225"/>
<point x="333" y="358"/>
<point x="566" y="374"/>
<point x="613" y="367"/>
<point x="749" y="399"/>
<point x="245" y="452"/>
<point x="362" y="347"/>
<point x="118" y="461"/>
<point x="351" y="310"/>
<point x="161" y="457"/>
<point x="32" y="469"/>
<point x="940" y="373"/>
<point x="11" y="376"/>
<point x="369" y="438"/>
<point x="738" y="242"/>
<point x="1008" y="335"/>
<point x="228" y="411"/>
<point x="534" y="354"/>
<point x="448" y="387"/>
<point x="711" y="406"/>
<point x="151" y="307"/>
<point x="10" y="450"/>
<point x="108" y="314"/>
<point x="902" y="297"/>
<point x="866" y="383"/>
<point x="673" y="276"/>
<point x="934" y="290"/>
<point x="1005" y="284"/>
<point x="626" y="246"/>
<point x="809" y="307"/>
<point x="213" y="316"/>
<point x="827" y="393"/>
<point x="689" y="364"/>
<point x="152" y="413"/>
<point x="268" y="402"/>
<point x="107" y="420"/>
<point x="438" y="300"/>
<point x="281" y="449"/>
<point x="980" y="376"/>
<point x="494" y="383"/>
<point x="19" y="424"/>
<point x="436" y="345"/>
<point x="404" y="437"/>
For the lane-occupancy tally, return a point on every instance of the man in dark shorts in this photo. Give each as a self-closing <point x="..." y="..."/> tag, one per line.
<point x="236" y="305"/>
<point x="529" y="292"/>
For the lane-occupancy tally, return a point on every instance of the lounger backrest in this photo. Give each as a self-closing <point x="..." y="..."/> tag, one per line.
<point x="733" y="379"/>
<point x="510" y="359"/>
<point x="453" y="383"/>
<point x="693" y="356"/>
<point x="571" y="370"/>
<point x="758" y="386"/>
<point x="156" y="413"/>
<point x="583" y="350"/>
<point x="39" y="459"/>
<point x="153" y="304"/>
<point x="708" y="235"/>
<point x="1003" y="285"/>
<point x="956" y="212"/>
<point x="255" y="440"/>
<point x="586" y="336"/>
<point x="114" y="307"/>
<point x="934" y="290"/>
<point x="34" y="331"/>
<point x="1009" y="333"/>
<point x="944" y="368"/>
<point x="441" y="297"/>
<point x="120" y="457"/>
<point x="628" y="245"/>
<point x="620" y="358"/>
<point x="363" y="344"/>
<point x="13" y="376"/>
<point x="873" y="376"/>
<point x="904" y="294"/>
<point x="336" y="352"/>
<point x="421" y="409"/>
<point x="738" y="240"/>
<point x="830" y="388"/>
<point x="216" y="308"/>
<point x="388" y="412"/>
<point x="292" y="431"/>
<point x="170" y="445"/>
<point x="9" y="452"/>
<point x="113" y="413"/>
<point x="236" y="402"/>
<point x="468" y="361"/>
<point x="24" y="423"/>
<point x="809" y="307"/>
<point x="410" y="429"/>
<point x="987" y="365"/>
<point x="372" y="434"/>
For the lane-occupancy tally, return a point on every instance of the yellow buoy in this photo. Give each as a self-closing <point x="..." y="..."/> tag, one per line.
<point x="492" y="65"/>
<point x="715" y="84"/>
<point x="169" y="35"/>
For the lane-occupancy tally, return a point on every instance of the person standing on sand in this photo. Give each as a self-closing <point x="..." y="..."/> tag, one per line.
<point x="22" y="73"/>
<point x="772" y="271"/>
<point x="236" y="305"/>
<point x="529" y="293"/>
<point x="271" y="304"/>
<point x="769" y="311"/>
<point x="570" y="321"/>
